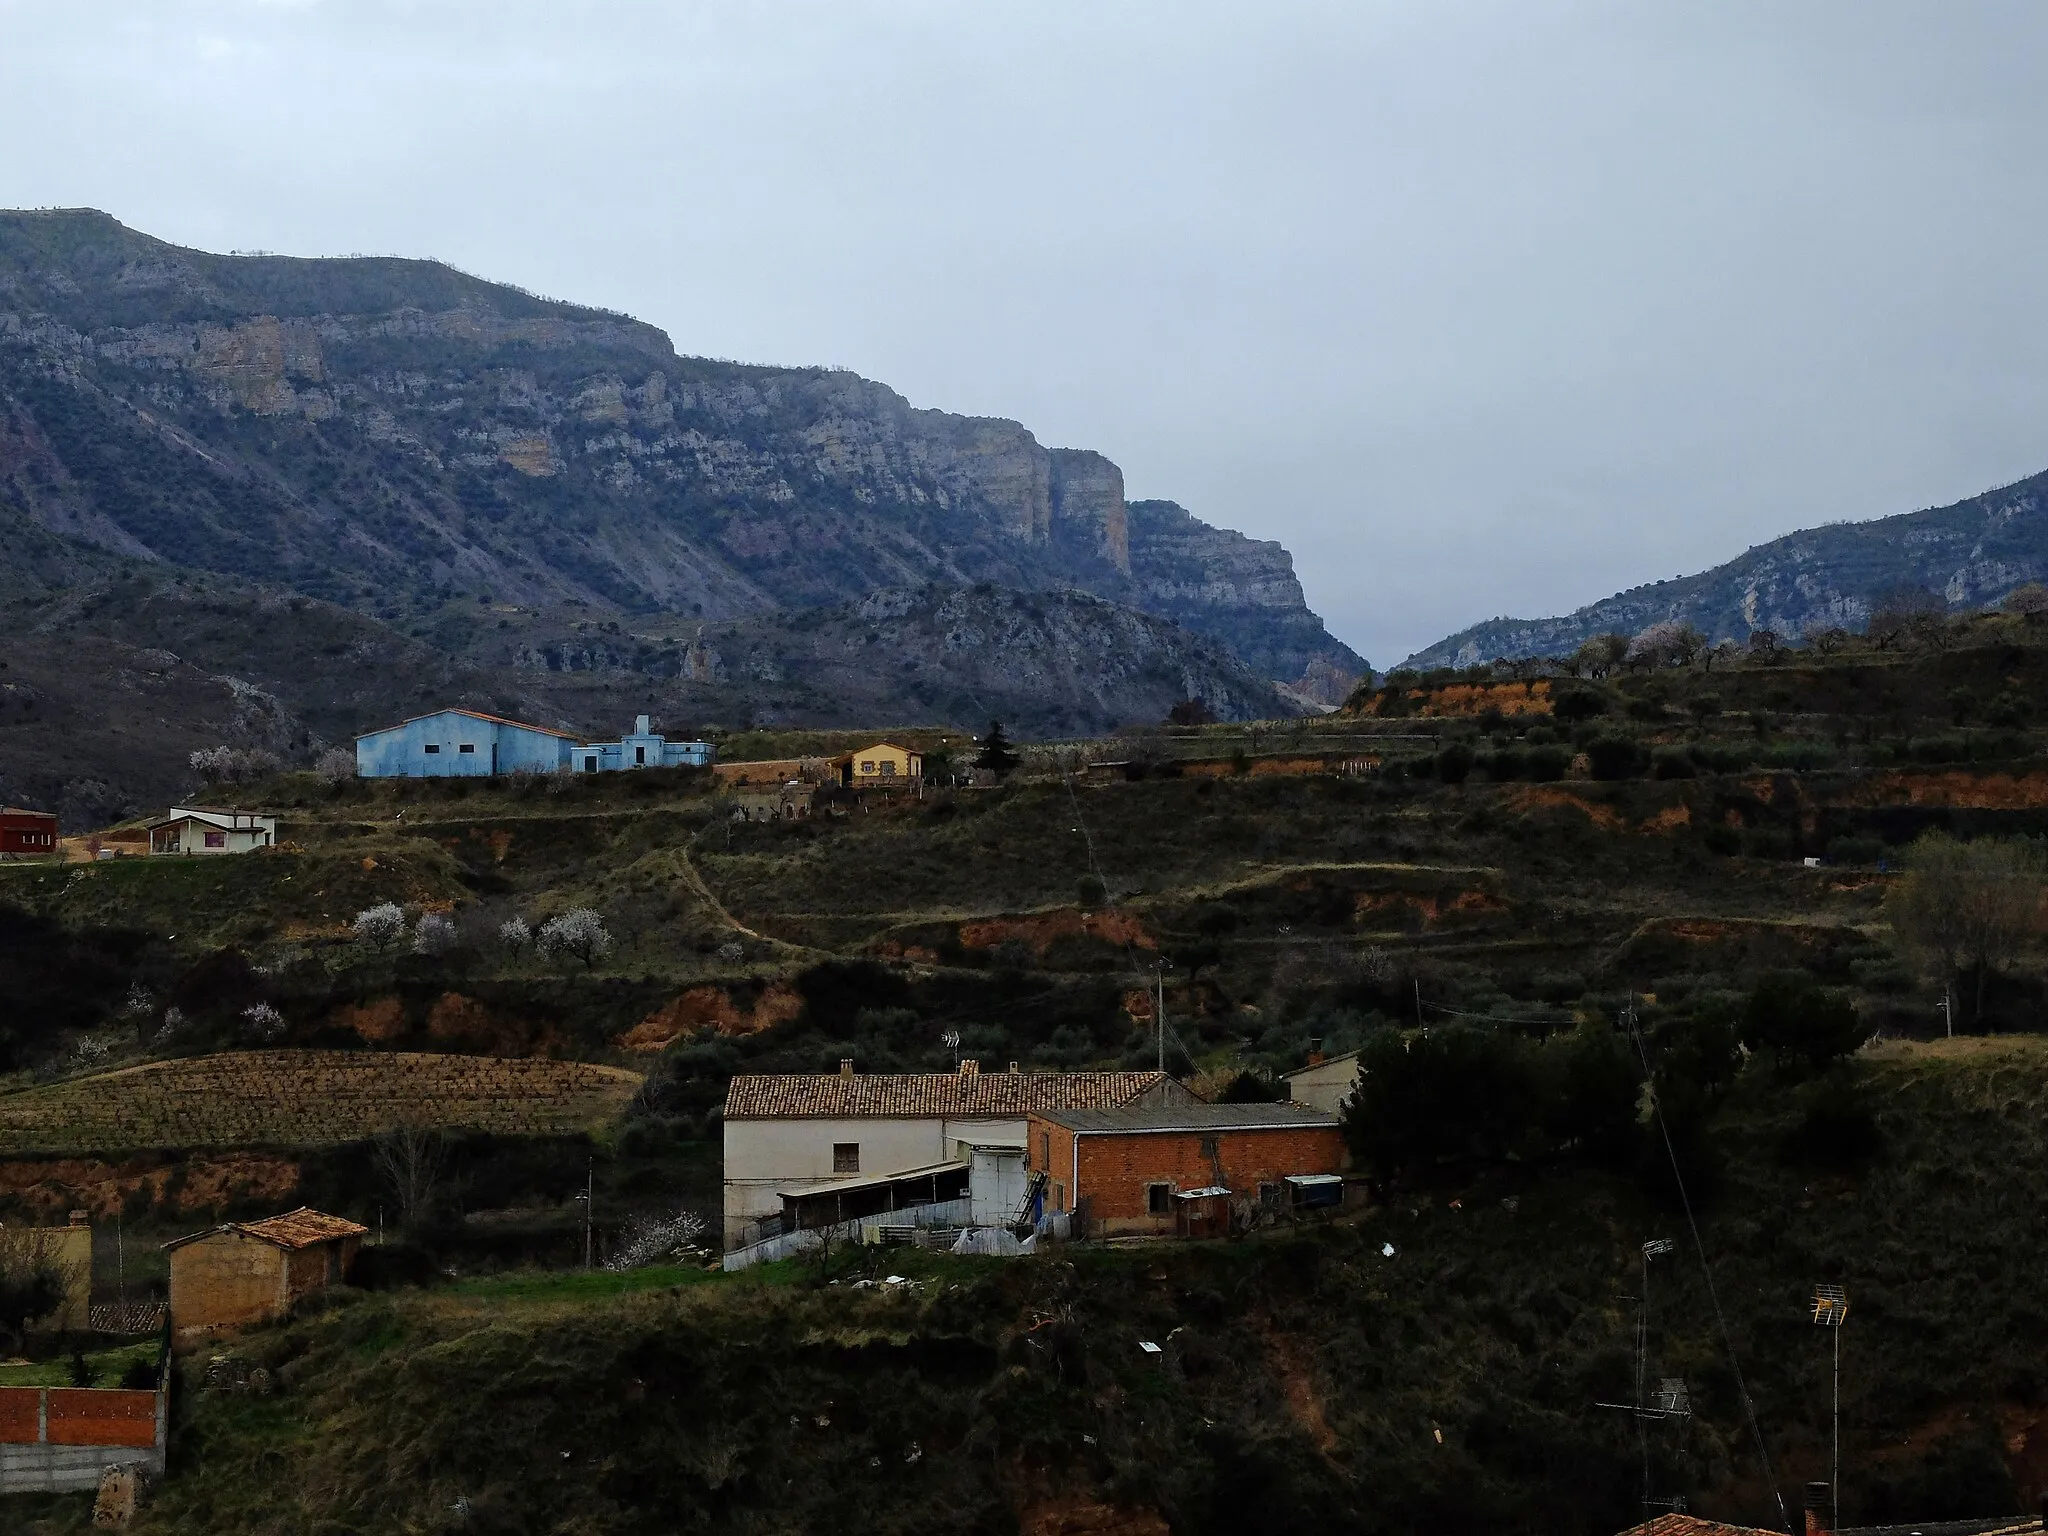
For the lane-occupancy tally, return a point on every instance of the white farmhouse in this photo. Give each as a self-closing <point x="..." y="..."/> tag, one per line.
<point x="794" y="1134"/>
<point x="1325" y="1083"/>
<point x="190" y="830"/>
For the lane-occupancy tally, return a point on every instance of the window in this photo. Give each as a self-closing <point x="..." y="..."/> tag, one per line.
<point x="1209" y="1148"/>
<point x="867" y="765"/>
<point x="888" y="769"/>
<point x="590" y="765"/>
<point x="1059" y="1196"/>
<point x="1159" y="1199"/>
<point x="467" y="747"/>
<point x="216" y="839"/>
<point x="433" y="746"/>
<point x="846" y="1157"/>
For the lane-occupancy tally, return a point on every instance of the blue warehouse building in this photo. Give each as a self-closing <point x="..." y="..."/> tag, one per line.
<point x="461" y="743"/>
<point x="641" y="749"/>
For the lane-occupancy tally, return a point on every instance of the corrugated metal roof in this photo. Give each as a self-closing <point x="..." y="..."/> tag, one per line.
<point x="923" y="1095"/>
<point x="852" y="1182"/>
<point x="474" y="714"/>
<point x="1139" y="1119"/>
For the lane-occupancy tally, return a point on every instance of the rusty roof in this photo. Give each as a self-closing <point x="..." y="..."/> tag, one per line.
<point x="1693" y="1525"/>
<point x="302" y="1228"/>
<point x="919" y="1095"/>
<point x="1144" y="1119"/>
<point x="475" y="714"/>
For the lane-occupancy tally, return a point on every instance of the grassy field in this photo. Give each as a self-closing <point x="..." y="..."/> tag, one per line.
<point x="309" y="1099"/>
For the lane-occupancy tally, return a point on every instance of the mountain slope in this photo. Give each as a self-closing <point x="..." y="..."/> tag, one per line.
<point x="390" y="434"/>
<point x="1970" y="553"/>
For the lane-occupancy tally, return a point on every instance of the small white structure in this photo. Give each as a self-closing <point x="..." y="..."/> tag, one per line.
<point x="188" y="829"/>
<point x="1323" y="1084"/>
<point x="790" y="1135"/>
<point x="642" y="748"/>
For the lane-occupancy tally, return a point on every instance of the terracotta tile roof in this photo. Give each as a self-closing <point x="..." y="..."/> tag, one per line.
<point x="798" y="1096"/>
<point x="1693" y="1525"/>
<point x="294" y="1229"/>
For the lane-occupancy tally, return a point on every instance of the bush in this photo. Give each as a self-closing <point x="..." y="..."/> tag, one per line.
<point x="1578" y="704"/>
<point x="1615" y="757"/>
<point x="1454" y="763"/>
<point x="1546" y="764"/>
<point x="1670" y="763"/>
<point x="1802" y="1023"/>
<point x="1501" y="766"/>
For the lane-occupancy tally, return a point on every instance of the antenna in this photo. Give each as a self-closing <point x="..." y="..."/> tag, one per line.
<point x="1670" y="1401"/>
<point x="1830" y="1311"/>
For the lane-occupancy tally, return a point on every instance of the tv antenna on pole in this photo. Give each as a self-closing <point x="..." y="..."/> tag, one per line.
<point x="1830" y="1311"/>
<point x="1670" y="1400"/>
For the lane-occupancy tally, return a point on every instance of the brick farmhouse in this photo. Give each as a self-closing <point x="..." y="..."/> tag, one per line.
<point x="29" y="832"/>
<point x="1178" y="1168"/>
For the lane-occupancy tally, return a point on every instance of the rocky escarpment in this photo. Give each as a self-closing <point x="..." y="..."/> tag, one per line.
<point x="388" y="434"/>
<point x="1969" y="554"/>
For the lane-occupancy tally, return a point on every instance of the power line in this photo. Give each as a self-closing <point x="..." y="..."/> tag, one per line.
<point x="1489" y="1018"/>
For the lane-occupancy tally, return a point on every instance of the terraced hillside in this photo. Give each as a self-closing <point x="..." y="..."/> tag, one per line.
<point x="309" y="1099"/>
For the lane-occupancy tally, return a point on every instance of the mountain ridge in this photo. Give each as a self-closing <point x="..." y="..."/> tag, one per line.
<point x="1968" y="553"/>
<point x="383" y="432"/>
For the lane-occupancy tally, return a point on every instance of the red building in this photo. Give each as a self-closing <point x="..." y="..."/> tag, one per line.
<point x="32" y="832"/>
<point x="1186" y="1169"/>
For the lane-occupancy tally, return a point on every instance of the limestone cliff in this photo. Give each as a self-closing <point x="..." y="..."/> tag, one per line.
<point x="391" y="434"/>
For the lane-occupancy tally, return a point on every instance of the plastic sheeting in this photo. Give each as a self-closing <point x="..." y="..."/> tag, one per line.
<point x="996" y="1242"/>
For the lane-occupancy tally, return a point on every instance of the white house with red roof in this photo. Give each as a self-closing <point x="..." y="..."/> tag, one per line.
<point x="802" y="1135"/>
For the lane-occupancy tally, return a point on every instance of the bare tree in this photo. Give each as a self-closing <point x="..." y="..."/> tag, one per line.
<point x="34" y="1280"/>
<point x="409" y="1158"/>
<point x="1970" y="906"/>
<point x="1831" y="640"/>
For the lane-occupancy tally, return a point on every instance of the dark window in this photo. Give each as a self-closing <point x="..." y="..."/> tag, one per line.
<point x="433" y="746"/>
<point x="590" y="765"/>
<point x="1209" y="1148"/>
<point x="1159" y="1199"/>
<point x="466" y="747"/>
<point x="846" y="1157"/>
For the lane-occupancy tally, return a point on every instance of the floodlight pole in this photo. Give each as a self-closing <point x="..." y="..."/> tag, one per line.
<point x="1835" y="1453"/>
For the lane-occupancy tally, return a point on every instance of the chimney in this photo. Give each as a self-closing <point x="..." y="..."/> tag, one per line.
<point x="969" y="1067"/>
<point x="846" y="1066"/>
<point x="1820" y="1506"/>
<point x="81" y="1218"/>
<point x="1013" y="1069"/>
<point x="1315" y="1051"/>
<point x="640" y="725"/>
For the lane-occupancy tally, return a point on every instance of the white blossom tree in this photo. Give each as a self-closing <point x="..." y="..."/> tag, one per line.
<point x="381" y="926"/>
<point x="514" y="934"/>
<point x="434" y="934"/>
<point x="579" y="932"/>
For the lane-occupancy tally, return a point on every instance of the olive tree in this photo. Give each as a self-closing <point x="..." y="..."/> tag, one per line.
<point x="1969" y="906"/>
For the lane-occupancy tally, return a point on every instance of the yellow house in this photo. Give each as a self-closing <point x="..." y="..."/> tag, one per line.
<point x="883" y="763"/>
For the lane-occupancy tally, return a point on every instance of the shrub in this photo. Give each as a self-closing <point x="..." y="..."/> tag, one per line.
<point x="1546" y="764"/>
<point x="1454" y="763"/>
<point x="1615" y="757"/>
<point x="1578" y="704"/>
<point x="660" y="1239"/>
<point x="1669" y="763"/>
<point x="263" y="1022"/>
<point x="1090" y="891"/>
<point x="1503" y="765"/>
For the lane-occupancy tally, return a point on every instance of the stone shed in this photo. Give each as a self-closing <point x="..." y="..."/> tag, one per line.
<point x="246" y="1271"/>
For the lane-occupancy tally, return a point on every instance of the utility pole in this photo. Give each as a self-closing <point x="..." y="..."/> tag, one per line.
<point x="1947" y="1011"/>
<point x="589" y="1189"/>
<point x="1831" y="1310"/>
<point x="1159" y="1014"/>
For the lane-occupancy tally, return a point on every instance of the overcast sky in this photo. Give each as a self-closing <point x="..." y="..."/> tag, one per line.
<point x="1479" y="308"/>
